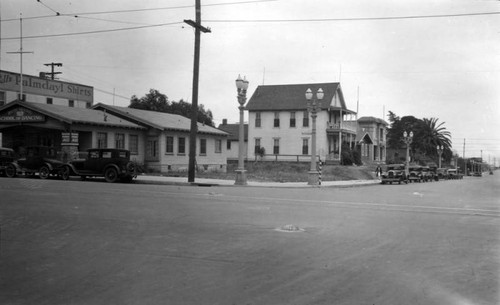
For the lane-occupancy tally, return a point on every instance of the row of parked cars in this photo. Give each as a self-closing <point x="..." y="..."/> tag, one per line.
<point x="112" y="164"/>
<point x="416" y="173"/>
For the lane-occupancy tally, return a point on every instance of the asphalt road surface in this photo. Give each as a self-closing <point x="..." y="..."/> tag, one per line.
<point x="72" y="242"/>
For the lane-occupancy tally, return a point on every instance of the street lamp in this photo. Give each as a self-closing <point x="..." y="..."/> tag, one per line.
<point x="407" y="138"/>
<point x="440" y="152"/>
<point x="241" y="86"/>
<point x="312" y="106"/>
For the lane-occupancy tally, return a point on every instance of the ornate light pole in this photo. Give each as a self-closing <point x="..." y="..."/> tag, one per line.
<point x="407" y="138"/>
<point x="312" y="106"/>
<point x="440" y="152"/>
<point x="241" y="175"/>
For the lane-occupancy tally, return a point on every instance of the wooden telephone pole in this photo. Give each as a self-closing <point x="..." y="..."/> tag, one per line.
<point x="194" y="106"/>
<point x="52" y="74"/>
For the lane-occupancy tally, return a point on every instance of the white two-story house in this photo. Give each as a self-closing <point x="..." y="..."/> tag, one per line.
<point x="279" y="121"/>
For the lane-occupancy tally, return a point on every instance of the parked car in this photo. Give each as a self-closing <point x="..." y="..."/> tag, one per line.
<point x="6" y="158"/>
<point x="41" y="160"/>
<point x="415" y="173"/>
<point x="110" y="163"/>
<point x="442" y="173"/>
<point x="427" y="174"/>
<point x="394" y="173"/>
<point x="454" y="174"/>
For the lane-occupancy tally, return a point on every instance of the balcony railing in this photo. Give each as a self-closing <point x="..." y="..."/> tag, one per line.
<point x="343" y="126"/>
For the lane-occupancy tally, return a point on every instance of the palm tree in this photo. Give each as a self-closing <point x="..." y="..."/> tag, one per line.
<point x="432" y="135"/>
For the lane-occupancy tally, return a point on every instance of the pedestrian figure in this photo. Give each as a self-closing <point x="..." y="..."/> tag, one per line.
<point x="378" y="171"/>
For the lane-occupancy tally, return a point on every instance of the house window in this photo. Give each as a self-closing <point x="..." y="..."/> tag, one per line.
<point x="218" y="146"/>
<point x="305" y="146"/>
<point x="2" y="98"/>
<point x="88" y="105"/>
<point x="181" y="149"/>
<point x="50" y="101"/>
<point x="276" y="119"/>
<point x="305" y="119"/>
<point x="228" y="145"/>
<point x="133" y="144"/>
<point x="276" y="146"/>
<point x="257" y="119"/>
<point x="170" y="145"/>
<point x="152" y="148"/>
<point x="71" y="103"/>
<point x="119" y="140"/>
<point x="292" y="119"/>
<point x="203" y="147"/>
<point x="257" y="145"/>
<point x="102" y="140"/>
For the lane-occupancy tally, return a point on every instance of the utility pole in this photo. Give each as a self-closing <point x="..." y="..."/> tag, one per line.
<point x="52" y="74"/>
<point x="20" y="52"/>
<point x="465" y="163"/>
<point x="194" y="106"/>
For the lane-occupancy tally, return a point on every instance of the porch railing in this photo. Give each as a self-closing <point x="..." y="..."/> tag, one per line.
<point x="349" y="126"/>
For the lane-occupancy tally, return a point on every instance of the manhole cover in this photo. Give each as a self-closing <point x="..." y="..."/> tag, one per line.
<point x="290" y="228"/>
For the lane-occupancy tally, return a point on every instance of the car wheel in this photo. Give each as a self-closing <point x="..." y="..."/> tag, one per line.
<point x="111" y="175"/>
<point x="44" y="172"/>
<point x="10" y="171"/>
<point x="65" y="173"/>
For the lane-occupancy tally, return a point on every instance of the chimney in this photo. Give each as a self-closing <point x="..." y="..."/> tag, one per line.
<point x="224" y="121"/>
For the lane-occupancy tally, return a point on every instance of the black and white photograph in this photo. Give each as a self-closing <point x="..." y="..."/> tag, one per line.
<point x="249" y="152"/>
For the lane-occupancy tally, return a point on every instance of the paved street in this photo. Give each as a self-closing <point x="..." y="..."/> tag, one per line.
<point x="72" y="242"/>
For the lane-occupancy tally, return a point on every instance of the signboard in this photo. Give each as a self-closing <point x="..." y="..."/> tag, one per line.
<point x="21" y="115"/>
<point x="69" y="138"/>
<point x="45" y="87"/>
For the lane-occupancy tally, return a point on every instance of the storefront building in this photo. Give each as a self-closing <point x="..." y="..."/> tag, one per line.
<point x="158" y="141"/>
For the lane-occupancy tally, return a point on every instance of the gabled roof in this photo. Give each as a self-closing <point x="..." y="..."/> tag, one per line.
<point x="158" y="120"/>
<point x="292" y="97"/>
<point x="234" y="131"/>
<point x="73" y="115"/>
<point x="364" y="138"/>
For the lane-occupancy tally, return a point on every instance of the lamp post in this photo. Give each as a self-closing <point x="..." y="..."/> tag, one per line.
<point x="440" y="152"/>
<point x="407" y="138"/>
<point x="312" y="106"/>
<point x="241" y="175"/>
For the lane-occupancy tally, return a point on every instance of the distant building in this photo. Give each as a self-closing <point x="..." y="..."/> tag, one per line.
<point x="232" y="147"/>
<point x="280" y="122"/>
<point x="371" y="139"/>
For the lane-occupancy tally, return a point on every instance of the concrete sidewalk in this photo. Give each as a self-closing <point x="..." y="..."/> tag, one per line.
<point x="147" y="179"/>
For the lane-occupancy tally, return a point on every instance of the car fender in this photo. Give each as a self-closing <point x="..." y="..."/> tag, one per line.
<point x="72" y="169"/>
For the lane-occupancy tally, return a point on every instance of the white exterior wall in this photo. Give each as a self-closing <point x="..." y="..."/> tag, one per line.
<point x="233" y="153"/>
<point x="111" y="132"/>
<point x="176" y="161"/>
<point x="290" y="137"/>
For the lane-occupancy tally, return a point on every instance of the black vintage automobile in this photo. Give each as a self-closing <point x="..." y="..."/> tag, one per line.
<point x="110" y="163"/>
<point x="415" y="173"/>
<point x="394" y="173"/>
<point x="41" y="160"/>
<point x="6" y="158"/>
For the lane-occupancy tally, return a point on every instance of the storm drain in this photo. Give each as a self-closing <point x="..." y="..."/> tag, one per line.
<point x="290" y="228"/>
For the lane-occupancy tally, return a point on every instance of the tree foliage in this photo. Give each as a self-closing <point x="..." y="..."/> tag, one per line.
<point x="427" y="135"/>
<point x="156" y="101"/>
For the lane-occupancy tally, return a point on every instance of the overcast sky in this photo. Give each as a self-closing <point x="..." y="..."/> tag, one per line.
<point x="445" y="67"/>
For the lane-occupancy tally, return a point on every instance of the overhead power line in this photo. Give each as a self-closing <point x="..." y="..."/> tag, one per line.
<point x="94" y="32"/>
<point x="133" y="10"/>
<point x="349" y="19"/>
